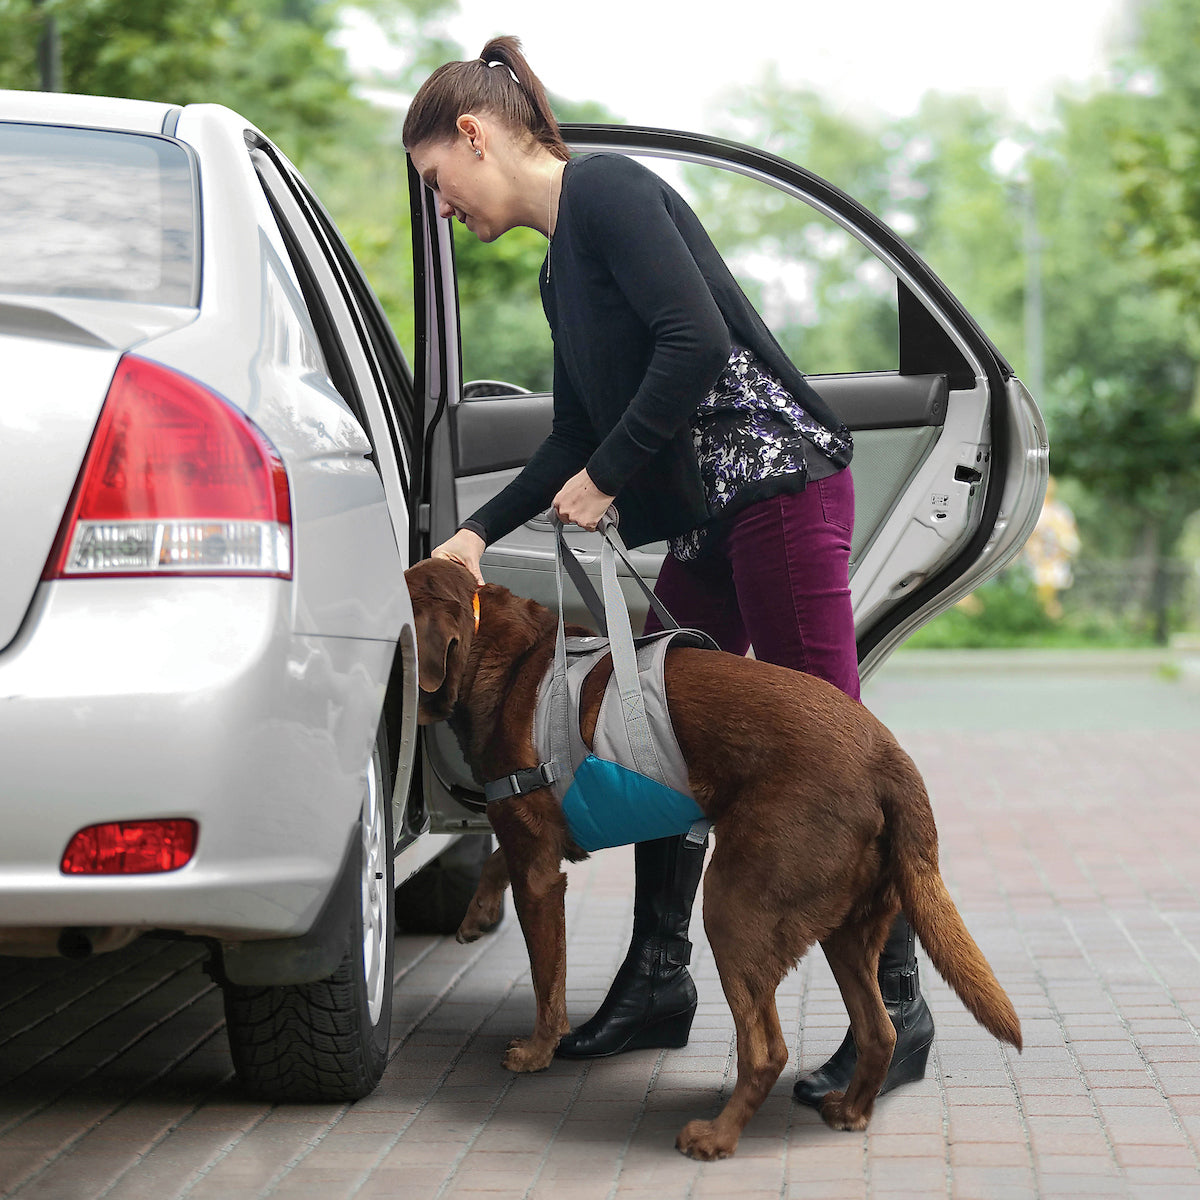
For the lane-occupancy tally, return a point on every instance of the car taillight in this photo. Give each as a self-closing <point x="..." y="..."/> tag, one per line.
<point x="176" y="481"/>
<point x="131" y="847"/>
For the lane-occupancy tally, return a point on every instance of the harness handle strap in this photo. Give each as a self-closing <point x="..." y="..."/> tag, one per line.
<point x="579" y="577"/>
<point x="560" y="695"/>
<point x="607" y="526"/>
<point x="643" y="754"/>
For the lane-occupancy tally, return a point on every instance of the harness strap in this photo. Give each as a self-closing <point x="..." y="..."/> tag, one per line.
<point x="643" y="754"/>
<point x="520" y="783"/>
<point x="607" y="528"/>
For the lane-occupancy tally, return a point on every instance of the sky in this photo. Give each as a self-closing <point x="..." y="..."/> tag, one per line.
<point x="660" y="62"/>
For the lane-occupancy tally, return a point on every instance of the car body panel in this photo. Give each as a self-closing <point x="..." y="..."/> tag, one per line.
<point x="248" y="704"/>
<point x="48" y="408"/>
<point x="77" y="109"/>
<point x="118" y="703"/>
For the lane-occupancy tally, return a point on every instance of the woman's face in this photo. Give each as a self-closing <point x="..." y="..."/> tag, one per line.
<point x="467" y="187"/>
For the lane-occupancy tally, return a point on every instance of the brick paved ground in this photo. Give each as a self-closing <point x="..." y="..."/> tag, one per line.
<point x="1070" y="821"/>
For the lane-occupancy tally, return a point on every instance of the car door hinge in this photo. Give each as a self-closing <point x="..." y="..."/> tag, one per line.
<point x="423" y="521"/>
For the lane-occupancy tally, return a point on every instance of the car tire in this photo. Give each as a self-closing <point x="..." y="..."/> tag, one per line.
<point x="435" y="899"/>
<point x="327" y="1041"/>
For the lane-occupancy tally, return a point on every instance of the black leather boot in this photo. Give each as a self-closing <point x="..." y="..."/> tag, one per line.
<point x="909" y="1013"/>
<point x="651" y="1002"/>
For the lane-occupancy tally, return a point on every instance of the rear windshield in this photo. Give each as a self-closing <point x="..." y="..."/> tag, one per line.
<point x="95" y="214"/>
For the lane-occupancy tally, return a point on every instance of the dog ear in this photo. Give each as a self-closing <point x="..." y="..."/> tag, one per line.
<point x="437" y="636"/>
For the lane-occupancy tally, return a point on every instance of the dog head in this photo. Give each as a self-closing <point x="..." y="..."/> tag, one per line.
<point x="444" y="603"/>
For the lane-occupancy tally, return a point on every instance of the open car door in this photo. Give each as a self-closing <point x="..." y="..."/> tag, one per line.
<point x="950" y="452"/>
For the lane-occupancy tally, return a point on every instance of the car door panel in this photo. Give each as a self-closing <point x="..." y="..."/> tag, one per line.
<point x="950" y="451"/>
<point x="896" y="421"/>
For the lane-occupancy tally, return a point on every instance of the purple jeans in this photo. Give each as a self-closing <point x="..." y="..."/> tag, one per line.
<point x="777" y="579"/>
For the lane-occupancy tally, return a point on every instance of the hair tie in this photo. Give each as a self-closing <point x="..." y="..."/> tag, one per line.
<point x="505" y="66"/>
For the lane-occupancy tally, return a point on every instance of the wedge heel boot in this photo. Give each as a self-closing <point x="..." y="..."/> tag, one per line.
<point x="652" y="1000"/>
<point x="909" y="1014"/>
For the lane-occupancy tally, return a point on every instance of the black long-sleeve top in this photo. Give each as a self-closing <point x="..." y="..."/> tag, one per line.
<point x="642" y="309"/>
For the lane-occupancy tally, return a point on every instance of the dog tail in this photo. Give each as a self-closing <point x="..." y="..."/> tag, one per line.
<point x="930" y="908"/>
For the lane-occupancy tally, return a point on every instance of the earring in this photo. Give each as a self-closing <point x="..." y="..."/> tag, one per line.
<point x="478" y="153"/>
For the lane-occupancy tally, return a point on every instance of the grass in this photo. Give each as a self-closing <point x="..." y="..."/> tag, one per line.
<point x="1005" y="614"/>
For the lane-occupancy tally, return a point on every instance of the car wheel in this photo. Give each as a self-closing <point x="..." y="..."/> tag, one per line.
<point x="435" y="899"/>
<point x="328" y="1040"/>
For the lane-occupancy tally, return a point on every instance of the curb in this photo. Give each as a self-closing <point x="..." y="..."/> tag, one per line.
<point x="1157" y="661"/>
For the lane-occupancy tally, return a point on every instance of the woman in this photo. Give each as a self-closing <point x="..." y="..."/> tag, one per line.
<point x="673" y="400"/>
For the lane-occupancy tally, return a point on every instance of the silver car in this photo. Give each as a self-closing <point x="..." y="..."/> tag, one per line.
<point x="215" y="464"/>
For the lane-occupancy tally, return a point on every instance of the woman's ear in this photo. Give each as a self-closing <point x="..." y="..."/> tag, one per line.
<point x="474" y="130"/>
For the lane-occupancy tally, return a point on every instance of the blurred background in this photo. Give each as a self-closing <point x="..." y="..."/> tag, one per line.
<point x="1044" y="159"/>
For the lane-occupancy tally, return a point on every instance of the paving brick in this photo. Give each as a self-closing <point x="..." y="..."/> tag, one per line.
<point x="113" y="1077"/>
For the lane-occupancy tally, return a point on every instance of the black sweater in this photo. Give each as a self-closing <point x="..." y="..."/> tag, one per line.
<point x="642" y="309"/>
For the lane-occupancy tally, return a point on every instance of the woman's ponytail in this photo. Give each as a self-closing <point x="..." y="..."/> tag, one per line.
<point x="499" y="81"/>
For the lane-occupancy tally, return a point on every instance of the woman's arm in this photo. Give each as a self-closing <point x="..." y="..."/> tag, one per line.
<point x="623" y="211"/>
<point x="562" y="455"/>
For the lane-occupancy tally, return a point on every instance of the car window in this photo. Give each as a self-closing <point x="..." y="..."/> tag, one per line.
<point x="97" y="214"/>
<point x="348" y="319"/>
<point x="831" y="303"/>
<point x="394" y="374"/>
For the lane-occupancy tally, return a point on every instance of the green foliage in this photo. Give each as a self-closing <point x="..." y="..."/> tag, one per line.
<point x="1005" y="613"/>
<point x="1157" y="148"/>
<point x="1132" y="438"/>
<point x="271" y="60"/>
<point x="1121" y="334"/>
<point x="965" y="216"/>
<point x="826" y="297"/>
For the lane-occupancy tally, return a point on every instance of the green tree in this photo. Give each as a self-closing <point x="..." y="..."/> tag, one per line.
<point x="272" y="60"/>
<point x="824" y="294"/>
<point x="965" y="215"/>
<point x="1157" y="149"/>
<point x="1122" y="337"/>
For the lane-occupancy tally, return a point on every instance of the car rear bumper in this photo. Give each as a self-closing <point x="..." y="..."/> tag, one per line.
<point x="133" y="698"/>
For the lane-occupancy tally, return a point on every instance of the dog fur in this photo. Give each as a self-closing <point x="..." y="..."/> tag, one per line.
<point x="823" y="832"/>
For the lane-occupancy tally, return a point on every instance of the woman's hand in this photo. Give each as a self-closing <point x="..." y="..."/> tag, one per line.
<point x="581" y="502"/>
<point x="464" y="547"/>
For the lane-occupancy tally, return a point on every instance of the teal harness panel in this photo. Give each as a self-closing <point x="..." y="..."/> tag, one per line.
<point x="610" y="805"/>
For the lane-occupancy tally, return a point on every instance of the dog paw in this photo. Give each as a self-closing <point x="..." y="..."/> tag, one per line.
<point x="701" y="1139"/>
<point x="481" y="918"/>
<point x="837" y="1114"/>
<point x="528" y="1054"/>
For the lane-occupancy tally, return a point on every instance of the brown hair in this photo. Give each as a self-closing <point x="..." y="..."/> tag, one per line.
<point x="477" y="85"/>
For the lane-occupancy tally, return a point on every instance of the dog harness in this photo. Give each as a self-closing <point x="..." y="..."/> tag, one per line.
<point x="632" y="786"/>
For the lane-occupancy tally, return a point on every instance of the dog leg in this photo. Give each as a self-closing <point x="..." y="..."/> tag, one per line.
<point x="539" y="890"/>
<point x="484" y="909"/>
<point x="853" y="959"/>
<point x="751" y="969"/>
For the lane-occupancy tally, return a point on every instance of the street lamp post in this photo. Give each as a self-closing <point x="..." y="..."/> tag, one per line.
<point x="49" y="53"/>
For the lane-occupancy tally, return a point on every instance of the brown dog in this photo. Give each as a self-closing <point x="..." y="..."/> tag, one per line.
<point x="822" y="825"/>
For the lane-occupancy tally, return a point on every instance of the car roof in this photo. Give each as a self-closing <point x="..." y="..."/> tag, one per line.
<point x="96" y="112"/>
